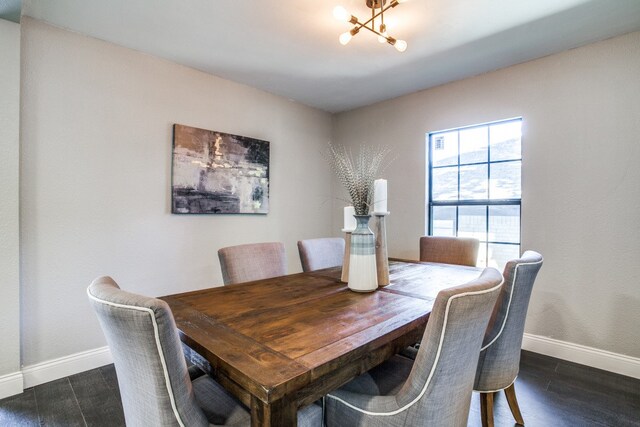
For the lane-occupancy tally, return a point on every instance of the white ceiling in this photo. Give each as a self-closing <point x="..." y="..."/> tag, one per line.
<point x="290" y="47"/>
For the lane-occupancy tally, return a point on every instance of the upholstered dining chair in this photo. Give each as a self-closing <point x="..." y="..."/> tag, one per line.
<point x="152" y="372"/>
<point x="316" y="254"/>
<point x="499" y="361"/>
<point x="255" y="261"/>
<point x="436" y="389"/>
<point x="449" y="250"/>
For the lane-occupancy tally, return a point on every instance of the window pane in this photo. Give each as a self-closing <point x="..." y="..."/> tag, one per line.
<point x="499" y="255"/>
<point x="504" y="224"/>
<point x="479" y="164"/>
<point x="473" y="145"/>
<point x="443" y="221"/>
<point x="472" y="222"/>
<point x="505" y="180"/>
<point x="482" y="255"/>
<point x="445" y="183"/>
<point x="506" y="140"/>
<point x="444" y="148"/>
<point x="473" y="182"/>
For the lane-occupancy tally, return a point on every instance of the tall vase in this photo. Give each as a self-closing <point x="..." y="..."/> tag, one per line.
<point x="363" y="275"/>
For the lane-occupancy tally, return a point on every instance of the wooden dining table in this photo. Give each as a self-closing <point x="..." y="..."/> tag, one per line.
<point x="280" y="344"/>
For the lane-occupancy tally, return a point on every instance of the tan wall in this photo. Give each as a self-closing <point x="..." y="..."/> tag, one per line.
<point x="580" y="177"/>
<point x="96" y="173"/>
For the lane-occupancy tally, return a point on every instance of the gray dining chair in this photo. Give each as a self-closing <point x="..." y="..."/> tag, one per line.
<point x="436" y="389"/>
<point x="244" y="263"/>
<point x="499" y="361"/>
<point x="316" y="254"/>
<point x="449" y="250"/>
<point x="152" y="372"/>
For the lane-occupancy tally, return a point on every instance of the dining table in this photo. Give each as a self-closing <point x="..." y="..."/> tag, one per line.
<point x="282" y="343"/>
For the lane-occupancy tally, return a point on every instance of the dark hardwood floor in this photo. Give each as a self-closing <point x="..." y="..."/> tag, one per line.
<point x="551" y="392"/>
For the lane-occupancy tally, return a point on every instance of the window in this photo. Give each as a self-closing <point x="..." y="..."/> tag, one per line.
<point x="474" y="187"/>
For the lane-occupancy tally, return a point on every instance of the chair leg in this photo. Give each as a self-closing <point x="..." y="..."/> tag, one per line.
<point x="510" y="392"/>
<point x="486" y="409"/>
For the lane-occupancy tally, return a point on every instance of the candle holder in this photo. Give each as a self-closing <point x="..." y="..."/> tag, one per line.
<point x="347" y="255"/>
<point x="382" y="258"/>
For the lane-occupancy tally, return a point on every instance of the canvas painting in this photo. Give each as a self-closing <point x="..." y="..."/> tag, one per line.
<point x="219" y="173"/>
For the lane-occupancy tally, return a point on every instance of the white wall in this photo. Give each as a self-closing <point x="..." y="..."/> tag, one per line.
<point x="581" y="175"/>
<point x="9" y="215"/>
<point x="95" y="179"/>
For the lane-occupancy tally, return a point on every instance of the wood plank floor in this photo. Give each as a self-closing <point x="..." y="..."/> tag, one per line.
<point x="551" y="392"/>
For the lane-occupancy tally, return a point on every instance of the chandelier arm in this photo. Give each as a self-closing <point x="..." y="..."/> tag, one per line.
<point x="383" y="10"/>
<point x="393" y="4"/>
<point x="361" y="25"/>
<point x="373" y="17"/>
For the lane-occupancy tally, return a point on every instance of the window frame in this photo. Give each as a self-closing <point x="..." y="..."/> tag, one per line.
<point x="479" y="202"/>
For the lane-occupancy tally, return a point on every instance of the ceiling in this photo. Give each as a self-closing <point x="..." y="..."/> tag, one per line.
<point x="290" y="47"/>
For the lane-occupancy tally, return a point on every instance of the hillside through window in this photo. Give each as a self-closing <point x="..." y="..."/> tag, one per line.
<point x="475" y="187"/>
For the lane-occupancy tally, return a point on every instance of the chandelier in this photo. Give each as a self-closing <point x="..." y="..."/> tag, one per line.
<point x="378" y="8"/>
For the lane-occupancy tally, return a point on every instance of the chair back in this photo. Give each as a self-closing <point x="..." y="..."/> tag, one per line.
<point x="316" y="254"/>
<point x="152" y="372"/>
<point x="500" y="355"/>
<point x="449" y="250"/>
<point x="438" y="390"/>
<point x="244" y="263"/>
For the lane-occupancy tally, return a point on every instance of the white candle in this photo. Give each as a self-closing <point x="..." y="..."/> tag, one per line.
<point x="349" y="220"/>
<point x="380" y="196"/>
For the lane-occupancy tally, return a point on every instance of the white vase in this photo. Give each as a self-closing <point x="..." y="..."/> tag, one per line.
<point x="363" y="275"/>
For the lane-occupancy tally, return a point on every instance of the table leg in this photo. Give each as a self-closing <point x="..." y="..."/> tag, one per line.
<point x="277" y="414"/>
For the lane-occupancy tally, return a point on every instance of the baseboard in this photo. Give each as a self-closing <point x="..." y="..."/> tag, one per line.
<point x="69" y="365"/>
<point x="596" y="358"/>
<point x="11" y="384"/>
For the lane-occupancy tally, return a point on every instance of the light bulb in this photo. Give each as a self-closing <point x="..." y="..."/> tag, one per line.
<point x="341" y="14"/>
<point x="400" y="45"/>
<point x="345" y="38"/>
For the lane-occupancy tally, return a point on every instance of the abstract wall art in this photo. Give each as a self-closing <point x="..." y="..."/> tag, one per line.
<point x="218" y="173"/>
